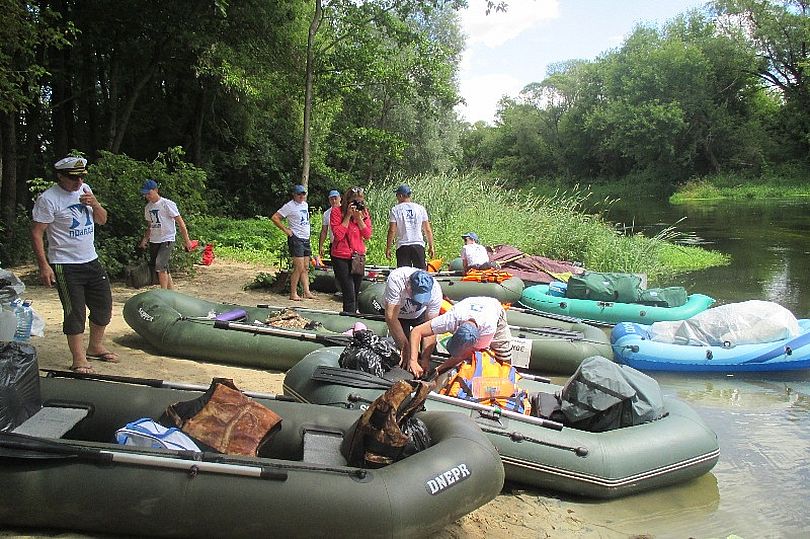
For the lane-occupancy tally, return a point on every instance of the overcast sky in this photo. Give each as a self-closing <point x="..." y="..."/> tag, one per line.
<point x="507" y="51"/>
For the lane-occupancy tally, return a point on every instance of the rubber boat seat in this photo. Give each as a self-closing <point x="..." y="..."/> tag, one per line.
<point x="396" y="373"/>
<point x="54" y="419"/>
<point x="322" y="446"/>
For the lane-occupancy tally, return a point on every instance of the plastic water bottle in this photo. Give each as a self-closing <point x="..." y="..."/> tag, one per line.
<point x="25" y="319"/>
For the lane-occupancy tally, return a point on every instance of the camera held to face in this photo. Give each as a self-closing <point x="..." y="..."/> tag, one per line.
<point x="359" y="205"/>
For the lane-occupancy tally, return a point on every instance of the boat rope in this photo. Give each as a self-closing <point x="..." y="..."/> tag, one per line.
<point x="520" y="437"/>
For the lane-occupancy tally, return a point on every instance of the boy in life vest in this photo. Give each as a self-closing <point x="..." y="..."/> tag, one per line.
<point x="477" y="323"/>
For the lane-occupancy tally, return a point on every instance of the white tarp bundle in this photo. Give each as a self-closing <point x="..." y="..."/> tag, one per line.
<point x="748" y="322"/>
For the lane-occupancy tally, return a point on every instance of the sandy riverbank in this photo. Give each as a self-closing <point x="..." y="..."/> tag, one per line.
<point x="515" y="513"/>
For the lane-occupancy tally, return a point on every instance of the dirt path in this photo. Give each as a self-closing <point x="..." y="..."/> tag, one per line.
<point x="515" y="513"/>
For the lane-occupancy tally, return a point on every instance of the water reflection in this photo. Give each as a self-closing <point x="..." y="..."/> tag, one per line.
<point x="767" y="240"/>
<point x="760" y="484"/>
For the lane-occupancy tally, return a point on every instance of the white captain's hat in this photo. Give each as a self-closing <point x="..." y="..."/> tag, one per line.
<point x="71" y="166"/>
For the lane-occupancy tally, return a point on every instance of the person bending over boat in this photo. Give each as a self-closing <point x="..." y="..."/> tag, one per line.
<point x="412" y="297"/>
<point x="477" y="323"/>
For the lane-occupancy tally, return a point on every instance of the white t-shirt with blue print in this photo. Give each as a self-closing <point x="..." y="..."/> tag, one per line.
<point x="297" y="215"/>
<point x="71" y="228"/>
<point x="160" y="216"/>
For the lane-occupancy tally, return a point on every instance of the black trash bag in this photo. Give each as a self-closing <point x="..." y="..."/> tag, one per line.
<point x="602" y="395"/>
<point x="368" y="352"/>
<point x="418" y="436"/>
<point x="19" y="384"/>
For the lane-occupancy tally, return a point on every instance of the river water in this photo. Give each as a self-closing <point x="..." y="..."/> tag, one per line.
<point x="761" y="484"/>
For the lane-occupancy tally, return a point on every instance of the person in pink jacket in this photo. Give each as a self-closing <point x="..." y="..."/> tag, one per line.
<point x="351" y="226"/>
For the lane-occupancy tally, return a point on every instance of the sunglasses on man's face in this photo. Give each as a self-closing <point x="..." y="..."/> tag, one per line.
<point x="356" y="190"/>
<point x="304" y="193"/>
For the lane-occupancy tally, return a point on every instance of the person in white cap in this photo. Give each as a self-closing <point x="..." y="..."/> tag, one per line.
<point x="67" y="214"/>
<point x="477" y="323"/>
<point x="410" y="225"/>
<point x="296" y="211"/>
<point x="163" y="220"/>
<point x="326" y="229"/>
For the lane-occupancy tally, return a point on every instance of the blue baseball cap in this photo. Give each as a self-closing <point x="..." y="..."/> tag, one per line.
<point x="421" y="286"/>
<point x="462" y="343"/>
<point x="298" y="189"/>
<point x="148" y="185"/>
<point x="403" y="190"/>
<point x="334" y="193"/>
<point x="472" y="235"/>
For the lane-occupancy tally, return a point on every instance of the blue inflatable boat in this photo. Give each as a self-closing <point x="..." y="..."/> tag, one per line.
<point x="632" y="346"/>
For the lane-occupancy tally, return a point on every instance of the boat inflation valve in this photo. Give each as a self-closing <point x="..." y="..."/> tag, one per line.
<point x="709" y="354"/>
<point x="563" y="305"/>
<point x="788" y="351"/>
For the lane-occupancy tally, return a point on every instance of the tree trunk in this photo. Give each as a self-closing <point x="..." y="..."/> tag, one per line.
<point x="196" y="149"/>
<point x="8" y="182"/>
<point x="61" y="104"/>
<point x="310" y="73"/>
<point x="123" y="123"/>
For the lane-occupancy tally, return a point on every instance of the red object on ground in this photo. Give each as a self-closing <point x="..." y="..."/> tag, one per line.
<point x="208" y="255"/>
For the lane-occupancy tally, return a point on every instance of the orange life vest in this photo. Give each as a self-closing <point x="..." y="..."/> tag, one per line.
<point x="487" y="276"/>
<point x="488" y="381"/>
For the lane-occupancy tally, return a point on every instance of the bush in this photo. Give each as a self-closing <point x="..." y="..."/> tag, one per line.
<point x="116" y="180"/>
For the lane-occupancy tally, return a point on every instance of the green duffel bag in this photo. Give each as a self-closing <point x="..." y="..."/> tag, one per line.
<point x="615" y="287"/>
<point x="672" y="296"/>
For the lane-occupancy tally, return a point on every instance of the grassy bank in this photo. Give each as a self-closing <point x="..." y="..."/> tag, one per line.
<point x="553" y="225"/>
<point x="788" y="182"/>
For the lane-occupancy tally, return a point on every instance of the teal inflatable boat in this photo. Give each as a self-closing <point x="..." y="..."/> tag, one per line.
<point x="537" y="452"/>
<point x="540" y="298"/>
<point x="300" y="485"/>
<point x="187" y="327"/>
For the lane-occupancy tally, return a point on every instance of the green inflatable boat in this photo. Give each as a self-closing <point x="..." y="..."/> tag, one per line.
<point x="538" y="297"/>
<point x="179" y="325"/>
<point x="301" y="486"/>
<point x="547" y="344"/>
<point x="453" y="288"/>
<point x="541" y="453"/>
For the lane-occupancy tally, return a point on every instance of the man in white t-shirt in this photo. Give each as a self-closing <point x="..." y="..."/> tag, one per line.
<point x="412" y="296"/>
<point x="473" y="254"/>
<point x="67" y="214"/>
<point x="163" y="220"/>
<point x="326" y="229"/>
<point x="296" y="212"/>
<point x="409" y="224"/>
<point x="477" y="323"/>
